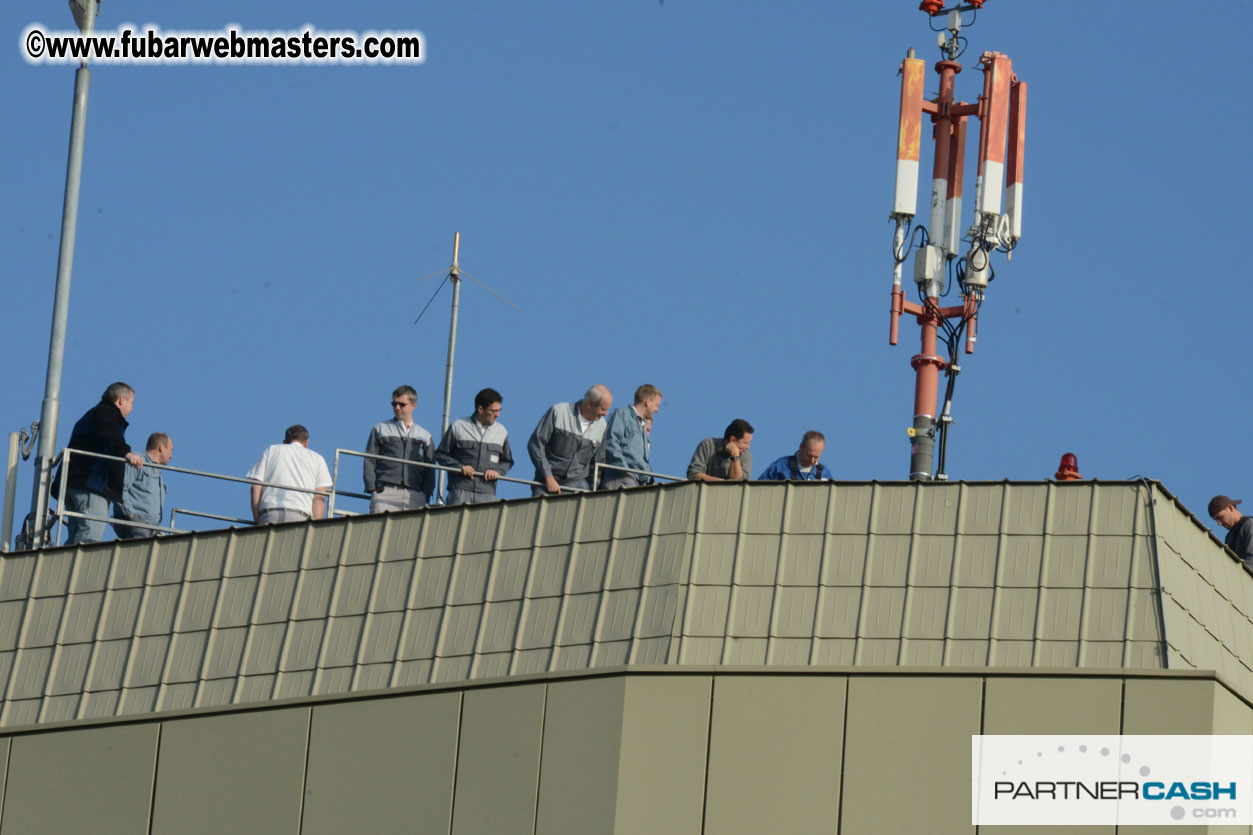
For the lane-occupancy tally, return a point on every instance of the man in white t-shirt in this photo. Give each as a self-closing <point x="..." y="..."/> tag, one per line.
<point x="290" y="463"/>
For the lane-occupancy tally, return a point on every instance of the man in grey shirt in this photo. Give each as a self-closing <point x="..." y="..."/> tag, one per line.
<point x="1239" y="527"/>
<point x="726" y="458"/>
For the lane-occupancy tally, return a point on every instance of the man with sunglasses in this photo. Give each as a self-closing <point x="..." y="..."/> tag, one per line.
<point x="393" y="485"/>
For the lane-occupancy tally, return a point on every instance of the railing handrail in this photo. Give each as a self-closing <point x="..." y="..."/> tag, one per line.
<point x="68" y="452"/>
<point x="429" y="466"/>
<point x="130" y="523"/>
<point x="314" y="490"/>
<point x="64" y="457"/>
<point x="637" y="472"/>
<point x="219" y="517"/>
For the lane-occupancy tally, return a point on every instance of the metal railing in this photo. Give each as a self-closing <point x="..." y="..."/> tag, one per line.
<point x="426" y="465"/>
<point x="204" y="515"/>
<point x="599" y="467"/>
<point x="61" y="513"/>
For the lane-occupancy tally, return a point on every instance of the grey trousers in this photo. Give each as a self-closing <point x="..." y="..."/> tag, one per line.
<point x="279" y="515"/>
<point x="617" y="480"/>
<point x="455" y="496"/>
<point x="83" y="531"/>
<point x="392" y="497"/>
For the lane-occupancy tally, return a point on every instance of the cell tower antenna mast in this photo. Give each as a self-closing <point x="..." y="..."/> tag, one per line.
<point x="1001" y="110"/>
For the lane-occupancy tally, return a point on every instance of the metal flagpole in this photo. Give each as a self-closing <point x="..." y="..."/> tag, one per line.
<point x="50" y="413"/>
<point x="454" y="275"/>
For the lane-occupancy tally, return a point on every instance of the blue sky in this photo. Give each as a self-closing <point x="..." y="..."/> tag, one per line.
<point x="689" y="193"/>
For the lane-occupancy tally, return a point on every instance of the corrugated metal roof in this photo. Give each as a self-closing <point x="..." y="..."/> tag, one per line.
<point x="881" y="574"/>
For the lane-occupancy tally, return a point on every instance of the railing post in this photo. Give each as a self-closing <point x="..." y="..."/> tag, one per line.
<point x="65" y="480"/>
<point x="10" y="489"/>
<point x="330" y="502"/>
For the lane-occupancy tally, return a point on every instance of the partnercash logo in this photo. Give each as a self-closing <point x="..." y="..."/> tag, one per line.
<point x="1070" y="780"/>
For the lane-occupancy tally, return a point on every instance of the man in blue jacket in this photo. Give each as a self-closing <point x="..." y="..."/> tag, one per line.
<point x="803" y="465"/>
<point x="94" y="482"/>
<point x="627" y="442"/>
<point x="143" y="496"/>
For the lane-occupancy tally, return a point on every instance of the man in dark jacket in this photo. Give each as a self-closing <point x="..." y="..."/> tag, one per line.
<point x="94" y="482"/>
<point x="1239" y="527"/>
<point x="392" y="485"/>
<point x="569" y="441"/>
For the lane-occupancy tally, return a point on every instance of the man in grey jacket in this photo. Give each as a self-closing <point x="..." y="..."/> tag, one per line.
<point x="391" y="484"/>
<point x="478" y="444"/>
<point x="569" y="441"/>
<point x="143" y="494"/>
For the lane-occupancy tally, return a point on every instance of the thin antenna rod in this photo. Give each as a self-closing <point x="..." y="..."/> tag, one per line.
<point x="454" y="275"/>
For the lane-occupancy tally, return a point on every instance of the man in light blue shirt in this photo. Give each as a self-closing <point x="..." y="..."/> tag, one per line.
<point x="143" y="494"/>
<point x="627" y="441"/>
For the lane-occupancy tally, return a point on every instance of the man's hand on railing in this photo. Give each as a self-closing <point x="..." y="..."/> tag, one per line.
<point x="467" y="471"/>
<point x="490" y="475"/>
<point x="134" y="460"/>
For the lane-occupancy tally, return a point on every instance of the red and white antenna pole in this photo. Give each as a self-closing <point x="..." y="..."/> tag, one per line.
<point x="1001" y="111"/>
<point x="1013" y="173"/>
<point x="908" y="151"/>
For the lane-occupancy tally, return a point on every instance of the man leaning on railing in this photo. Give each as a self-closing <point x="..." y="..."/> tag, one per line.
<point x="290" y="463"/>
<point x="627" y="440"/>
<point x="478" y="443"/>
<point x="92" y="483"/>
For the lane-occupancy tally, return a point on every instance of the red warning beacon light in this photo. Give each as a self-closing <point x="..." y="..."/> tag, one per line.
<point x="1068" y="469"/>
<point x="936" y="7"/>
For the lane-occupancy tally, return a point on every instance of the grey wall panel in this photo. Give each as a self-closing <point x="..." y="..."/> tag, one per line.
<point x="774" y="755"/>
<point x="97" y="780"/>
<point x="1038" y="705"/>
<point x="906" y="731"/>
<point x="380" y="766"/>
<point x="1179" y="706"/>
<point x="579" y="763"/>
<point x="665" y="733"/>
<point x="1172" y="707"/>
<point x="498" y="760"/>
<point x="1232" y="715"/>
<point x="234" y="772"/>
<point x="618" y="752"/>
